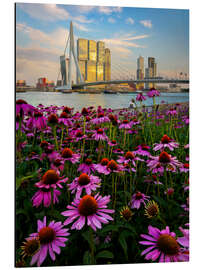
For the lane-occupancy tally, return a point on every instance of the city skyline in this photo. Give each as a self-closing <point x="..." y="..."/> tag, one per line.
<point x="127" y="32"/>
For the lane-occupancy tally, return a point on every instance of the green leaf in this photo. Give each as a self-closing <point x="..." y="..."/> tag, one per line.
<point x="87" y="237"/>
<point x="105" y="254"/>
<point x="122" y="241"/>
<point x="87" y="257"/>
<point x="110" y="228"/>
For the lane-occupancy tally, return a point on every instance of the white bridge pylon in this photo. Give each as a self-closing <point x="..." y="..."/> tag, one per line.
<point x="71" y="53"/>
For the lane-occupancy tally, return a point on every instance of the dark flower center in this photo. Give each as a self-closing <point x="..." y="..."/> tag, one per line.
<point x="44" y="144"/>
<point x="165" y="139"/>
<point x="38" y="114"/>
<point x="87" y="206"/>
<point x="21" y="101"/>
<point x="129" y="155"/>
<point x="31" y="246"/>
<point x="127" y="214"/>
<point x="57" y="162"/>
<point x="186" y="165"/>
<point x="152" y="210"/>
<point x="84" y="111"/>
<point x="79" y="134"/>
<point x="50" y="177"/>
<point x="48" y="150"/>
<point x="168" y="244"/>
<point x="67" y="153"/>
<point x="104" y="161"/>
<point x="67" y="110"/>
<point x="64" y="115"/>
<point x="113" y="142"/>
<point x="164" y="157"/>
<point x="144" y="146"/>
<point x="112" y="165"/>
<point x="138" y="196"/>
<point x="83" y="179"/>
<point x="46" y="235"/>
<point x="88" y="161"/>
<point x="53" y="118"/>
<point x="100" y="115"/>
<point x="125" y="121"/>
<point x="100" y="131"/>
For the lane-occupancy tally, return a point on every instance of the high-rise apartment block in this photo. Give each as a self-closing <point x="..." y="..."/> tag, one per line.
<point x="140" y="71"/>
<point x="94" y="60"/>
<point x="151" y="72"/>
<point x="107" y="65"/>
<point x="64" y="69"/>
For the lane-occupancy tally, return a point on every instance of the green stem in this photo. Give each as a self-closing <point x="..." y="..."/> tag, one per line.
<point x="92" y="245"/>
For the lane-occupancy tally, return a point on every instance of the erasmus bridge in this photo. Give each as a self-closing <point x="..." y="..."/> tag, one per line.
<point x="124" y="75"/>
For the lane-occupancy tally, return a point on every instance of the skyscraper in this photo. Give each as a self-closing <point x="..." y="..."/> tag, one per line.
<point x="107" y="65"/>
<point x="100" y="71"/>
<point x="140" y="71"/>
<point x="153" y="66"/>
<point x="92" y="50"/>
<point x="82" y="54"/>
<point x="91" y="71"/>
<point x="82" y="49"/>
<point x="148" y="74"/>
<point x="64" y="69"/>
<point x="100" y="51"/>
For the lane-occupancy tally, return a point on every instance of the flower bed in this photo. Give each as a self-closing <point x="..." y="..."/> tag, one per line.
<point x="101" y="186"/>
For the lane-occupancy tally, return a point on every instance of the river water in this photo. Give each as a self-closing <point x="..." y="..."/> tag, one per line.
<point x="78" y="101"/>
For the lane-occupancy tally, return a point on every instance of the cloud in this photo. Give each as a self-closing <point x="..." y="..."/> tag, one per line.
<point x="84" y="9"/>
<point x="111" y="20"/>
<point x="57" y="38"/>
<point x="81" y="27"/>
<point x="146" y="23"/>
<point x="82" y="19"/>
<point x="109" y="10"/>
<point x="129" y="20"/>
<point x="44" y="12"/>
<point x="136" y="37"/>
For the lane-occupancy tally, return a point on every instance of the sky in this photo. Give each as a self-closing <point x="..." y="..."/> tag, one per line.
<point x="129" y="32"/>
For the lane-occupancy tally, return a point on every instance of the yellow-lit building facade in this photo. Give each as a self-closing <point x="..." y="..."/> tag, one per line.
<point x="94" y="60"/>
<point x="90" y="71"/>
<point x="107" y="65"/>
<point x="100" y="71"/>
<point x="82" y="49"/>
<point x="92" y="50"/>
<point x="140" y="72"/>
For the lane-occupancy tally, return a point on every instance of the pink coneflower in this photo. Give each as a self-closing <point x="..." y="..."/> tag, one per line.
<point x="166" y="142"/>
<point x="88" y="208"/>
<point x="153" y="93"/>
<point x="140" y="97"/>
<point x="68" y="154"/>
<point x="37" y="121"/>
<point x="125" y="124"/>
<point x="51" y="179"/>
<point x="22" y="107"/>
<point x="184" y="168"/>
<point x="164" y="160"/>
<point x="128" y="157"/>
<point x="172" y="112"/>
<point x="101" y="118"/>
<point x="87" y="166"/>
<point x="112" y="143"/>
<point x="53" y="119"/>
<point x="163" y="245"/>
<point x="43" y="195"/>
<point x="51" y="238"/>
<point x="118" y="151"/>
<point x="88" y="182"/>
<point x="102" y="166"/>
<point x="79" y="135"/>
<point x="137" y="199"/>
<point x="112" y="166"/>
<point x="65" y="120"/>
<point x="142" y="150"/>
<point x="169" y="191"/>
<point x="99" y="135"/>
